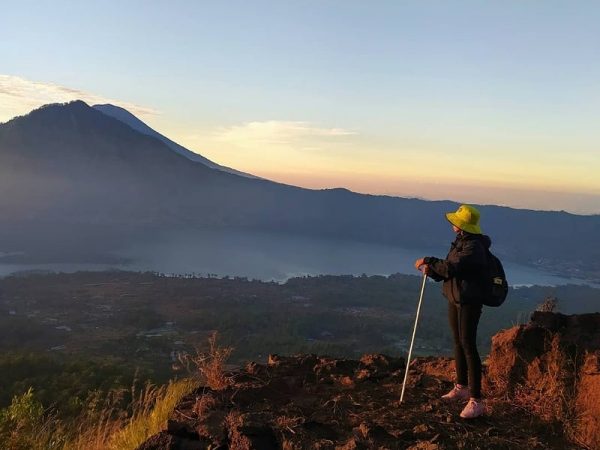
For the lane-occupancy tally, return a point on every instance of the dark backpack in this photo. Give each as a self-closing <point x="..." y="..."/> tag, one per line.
<point x="496" y="286"/>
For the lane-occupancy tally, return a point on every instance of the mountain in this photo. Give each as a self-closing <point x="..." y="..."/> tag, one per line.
<point x="76" y="180"/>
<point x="126" y="117"/>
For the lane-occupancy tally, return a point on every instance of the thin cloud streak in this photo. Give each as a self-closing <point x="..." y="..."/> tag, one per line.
<point x="19" y="96"/>
<point x="278" y="133"/>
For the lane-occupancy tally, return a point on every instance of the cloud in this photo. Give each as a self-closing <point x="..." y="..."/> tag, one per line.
<point x="277" y="133"/>
<point x="19" y="96"/>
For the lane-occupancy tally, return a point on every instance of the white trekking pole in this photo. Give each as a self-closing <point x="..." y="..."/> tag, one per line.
<point x="412" y="341"/>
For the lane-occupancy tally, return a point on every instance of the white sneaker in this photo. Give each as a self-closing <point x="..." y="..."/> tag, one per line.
<point x="459" y="392"/>
<point x="473" y="409"/>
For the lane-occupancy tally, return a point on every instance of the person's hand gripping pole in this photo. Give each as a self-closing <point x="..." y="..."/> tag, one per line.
<point x="422" y="266"/>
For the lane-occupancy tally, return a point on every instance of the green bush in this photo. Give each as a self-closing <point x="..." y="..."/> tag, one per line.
<point x="25" y="425"/>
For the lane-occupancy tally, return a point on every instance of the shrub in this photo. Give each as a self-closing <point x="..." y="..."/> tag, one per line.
<point x="210" y="364"/>
<point x="25" y="425"/>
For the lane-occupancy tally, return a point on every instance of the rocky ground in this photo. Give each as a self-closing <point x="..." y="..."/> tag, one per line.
<point x="308" y="402"/>
<point x="541" y="382"/>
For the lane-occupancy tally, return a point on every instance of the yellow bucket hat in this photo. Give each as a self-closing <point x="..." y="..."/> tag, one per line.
<point x="466" y="218"/>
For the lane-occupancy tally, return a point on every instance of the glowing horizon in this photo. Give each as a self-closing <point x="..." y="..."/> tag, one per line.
<point x="285" y="148"/>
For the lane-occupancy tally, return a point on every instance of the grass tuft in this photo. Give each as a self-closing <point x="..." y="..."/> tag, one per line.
<point x="104" y="425"/>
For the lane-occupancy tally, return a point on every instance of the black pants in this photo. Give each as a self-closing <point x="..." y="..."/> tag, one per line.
<point x="463" y="323"/>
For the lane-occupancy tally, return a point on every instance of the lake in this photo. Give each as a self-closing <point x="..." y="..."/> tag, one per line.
<point x="272" y="257"/>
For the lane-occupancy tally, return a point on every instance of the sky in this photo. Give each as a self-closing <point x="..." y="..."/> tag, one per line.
<point x="474" y="101"/>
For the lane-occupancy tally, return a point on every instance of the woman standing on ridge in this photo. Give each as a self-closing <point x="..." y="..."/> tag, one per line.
<point x="463" y="274"/>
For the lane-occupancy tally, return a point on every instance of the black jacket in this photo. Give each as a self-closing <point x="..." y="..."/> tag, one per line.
<point x="463" y="270"/>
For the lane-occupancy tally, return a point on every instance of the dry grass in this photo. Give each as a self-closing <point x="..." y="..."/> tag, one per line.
<point x="204" y="404"/>
<point x="104" y="425"/>
<point x="150" y="413"/>
<point x="550" y="304"/>
<point x="210" y="364"/>
<point x="114" y="429"/>
<point x="95" y="426"/>
<point x="233" y="422"/>
<point x="550" y="389"/>
<point x="289" y="423"/>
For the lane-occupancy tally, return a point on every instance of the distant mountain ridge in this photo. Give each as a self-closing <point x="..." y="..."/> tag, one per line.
<point x="73" y="176"/>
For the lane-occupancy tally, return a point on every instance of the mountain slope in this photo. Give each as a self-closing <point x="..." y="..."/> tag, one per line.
<point x="126" y="117"/>
<point x="73" y="163"/>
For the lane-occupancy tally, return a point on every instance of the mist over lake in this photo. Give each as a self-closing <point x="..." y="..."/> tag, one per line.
<point x="269" y="256"/>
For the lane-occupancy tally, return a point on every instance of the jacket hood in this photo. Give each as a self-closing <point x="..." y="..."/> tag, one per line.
<point x="484" y="239"/>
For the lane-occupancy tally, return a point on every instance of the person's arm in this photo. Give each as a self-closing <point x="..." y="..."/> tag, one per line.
<point x="471" y="256"/>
